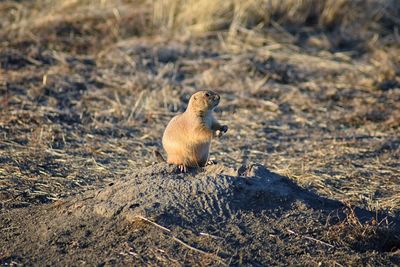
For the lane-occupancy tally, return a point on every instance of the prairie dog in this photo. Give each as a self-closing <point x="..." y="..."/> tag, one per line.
<point x="187" y="137"/>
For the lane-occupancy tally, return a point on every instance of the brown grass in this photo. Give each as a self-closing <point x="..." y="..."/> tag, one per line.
<point x="331" y="24"/>
<point x="369" y="235"/>
<point x="205" y="15"/>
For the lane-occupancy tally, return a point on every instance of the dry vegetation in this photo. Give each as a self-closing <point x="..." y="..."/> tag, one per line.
<point x="309" y="88"/>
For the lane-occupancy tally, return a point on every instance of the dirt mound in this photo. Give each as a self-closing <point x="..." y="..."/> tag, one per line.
<point x="217" y="192"/>
<point x="213" y="216"/>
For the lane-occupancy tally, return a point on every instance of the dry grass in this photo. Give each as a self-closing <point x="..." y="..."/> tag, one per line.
<point x="369" y="235"/>
<point x="79" y="27"/>
<point x="309" y="88"/>
<point x="205" y="15"/>
<point x="328" y="24"/>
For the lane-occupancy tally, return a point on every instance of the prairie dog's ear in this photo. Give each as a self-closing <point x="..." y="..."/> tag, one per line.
<point x="194" y="97"/>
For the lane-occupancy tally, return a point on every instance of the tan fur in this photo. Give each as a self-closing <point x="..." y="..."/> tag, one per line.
<point x="187" y="137"/>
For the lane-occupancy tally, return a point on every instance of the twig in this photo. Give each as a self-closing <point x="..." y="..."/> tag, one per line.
<point x="209" y="235"/>
<point x="189" y="246"/>
<point x="311" y="238"/>
<point x="172" y="236"/>
<point x="153" y="223"/>
<point x="135" y="106"/>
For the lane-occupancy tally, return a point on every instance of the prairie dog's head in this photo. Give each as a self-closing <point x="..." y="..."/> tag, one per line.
<point x="203" y="101"/>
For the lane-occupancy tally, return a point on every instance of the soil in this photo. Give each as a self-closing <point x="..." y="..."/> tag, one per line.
<point x="214" y="216"/>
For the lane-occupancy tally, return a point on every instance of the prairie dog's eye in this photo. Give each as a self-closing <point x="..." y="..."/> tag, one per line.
<point x="207" y="94"/>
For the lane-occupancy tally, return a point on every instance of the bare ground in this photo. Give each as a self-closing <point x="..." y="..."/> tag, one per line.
<point x="217" y="216"/>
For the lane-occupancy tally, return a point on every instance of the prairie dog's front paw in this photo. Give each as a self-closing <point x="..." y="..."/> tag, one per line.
<point x="222" y="130"/>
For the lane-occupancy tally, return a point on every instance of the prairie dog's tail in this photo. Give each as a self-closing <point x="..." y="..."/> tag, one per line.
<point x="158" y="156"/>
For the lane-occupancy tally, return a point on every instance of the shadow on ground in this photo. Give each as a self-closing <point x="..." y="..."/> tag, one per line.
<point x="213" y="216"/>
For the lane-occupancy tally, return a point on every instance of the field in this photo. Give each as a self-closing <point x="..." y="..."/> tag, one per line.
<point x="310" y="91"/>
